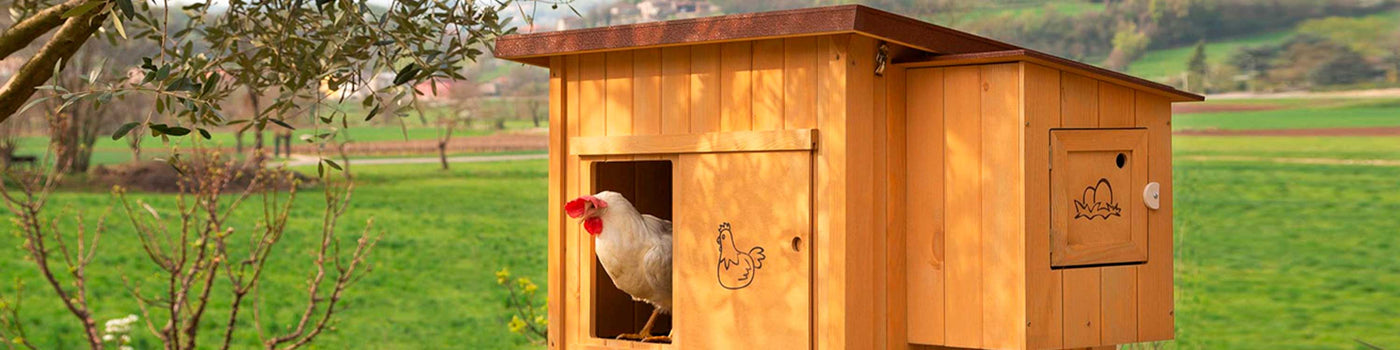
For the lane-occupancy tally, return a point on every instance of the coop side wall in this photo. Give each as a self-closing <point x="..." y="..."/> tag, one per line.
<point x="1080" y="307"/>
<point x="816" y="82"/>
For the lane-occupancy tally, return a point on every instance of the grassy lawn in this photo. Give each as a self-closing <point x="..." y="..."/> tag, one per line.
<point x="1274" y="256"/>
<point x="1164" y="63"/>
<point x="107" y="151"/>
<point x="433" y="284"/>
<point x="1269" y="255"/>
<point x="1297" y="114"/>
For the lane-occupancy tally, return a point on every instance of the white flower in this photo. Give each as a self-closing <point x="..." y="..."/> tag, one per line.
<point x="107" y="337"/>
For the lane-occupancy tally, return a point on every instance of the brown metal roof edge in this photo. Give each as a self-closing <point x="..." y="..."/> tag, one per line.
<point x="1058" y="62"/>
<point x="951" y="44"/>
<point x="808" y="21"/>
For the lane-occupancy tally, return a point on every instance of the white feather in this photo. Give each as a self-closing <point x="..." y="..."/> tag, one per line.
<point x="635" y="250"/>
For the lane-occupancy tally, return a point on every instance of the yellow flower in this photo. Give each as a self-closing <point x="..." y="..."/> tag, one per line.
<point x="527" y="286"/>
<point x="502" y="276"/>
<point x="517" y="325"/>
<point x="541" y="320"/>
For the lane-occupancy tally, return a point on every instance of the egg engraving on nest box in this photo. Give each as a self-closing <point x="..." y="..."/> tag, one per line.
<point x="1097" y="202"/>
<point x="736" y="268"/>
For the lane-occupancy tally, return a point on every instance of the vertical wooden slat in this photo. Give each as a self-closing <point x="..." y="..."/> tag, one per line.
<point x="924" y="228"/>
<point x="555" y="283"/>
<point x="1119" y="304"/>
<point x="1079" y="101"/>
<point x="1082" y="287"/>
<point x="1082" y="313"/>
<point x="896" y="240"/>
<point x="1119" y="283"/>
<point x="646" y="92"/>
<point x="768" y="84"/>
<point x="830" y="187"/>
<point x="619" y="95"/>
<point x="736" y="85"/>
<point x="963" y="205"/>
<point x="1003" y="190"/>
<point x="861" y="209"/>
<point x="799" y="79"/>
<point x="675" y="90"/>
<point x="1043" y="304"/>
<point x="1156" y="310"/>
<point x="572" y="245"/>
<point x="704" y="88"/>
<point x="1115" y="106"/>
<point x="592" y="95"/>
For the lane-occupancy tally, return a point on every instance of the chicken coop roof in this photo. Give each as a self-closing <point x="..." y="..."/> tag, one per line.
<point x="943" y="43"/>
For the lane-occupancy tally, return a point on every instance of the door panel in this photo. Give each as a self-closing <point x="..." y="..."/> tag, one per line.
<point x="742" y="256"/>
<point x="1096" y="210"/>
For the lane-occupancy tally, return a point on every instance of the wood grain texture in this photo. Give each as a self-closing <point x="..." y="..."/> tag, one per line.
<point x="592" y="95"/>
<point x="736" y="86"/>
<point x="1082" y="307"/>
<point x="717" y="142"/>
<point x="862" y="230"/>
<point x="896" y="240"/>
<point x="1119" y="293"/>
<point x="924" y="200"/>
<point x="619" y="94"/>
<point x="556" y="282"/>
<point x="1115" y="106"/>
<point x="1083" y="158"/>
<point x="1079" y="104"/>
<point x="646" y="92"/>
<point x="1044" y="307"/>
<point x="1156" y="309"/>
<point x="675" y="90"/>
<point x="772" y="310"/>
<point x="963" y="206"/>
<point x="799" y="82"/>
<point x="704" y="88"/>
<point x="830" y="187"/>
<point x="573" y="326"/>
<point x="768" y="84"/>
<point x="1003" y="217"/>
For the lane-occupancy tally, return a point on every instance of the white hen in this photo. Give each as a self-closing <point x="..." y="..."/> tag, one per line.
<point x="634" y="248"/>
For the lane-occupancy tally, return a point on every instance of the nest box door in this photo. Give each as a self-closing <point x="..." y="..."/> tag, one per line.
<point x="742" y="262"/>
<point x="1097" y="180"/>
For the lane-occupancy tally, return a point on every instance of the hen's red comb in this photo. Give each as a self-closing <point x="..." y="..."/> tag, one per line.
<point x="575" y="207"/>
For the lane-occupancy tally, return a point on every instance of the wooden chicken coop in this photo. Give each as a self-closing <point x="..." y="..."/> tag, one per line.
<point x="912" y="186"/>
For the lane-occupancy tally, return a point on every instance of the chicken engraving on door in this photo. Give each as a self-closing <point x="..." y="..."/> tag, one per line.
<point x="736" y="269"/>
<point x="1097" y="202"/>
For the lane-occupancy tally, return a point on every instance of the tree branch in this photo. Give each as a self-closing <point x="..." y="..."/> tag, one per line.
<point x="26" y="31"/>
<point x="39" y="68"/>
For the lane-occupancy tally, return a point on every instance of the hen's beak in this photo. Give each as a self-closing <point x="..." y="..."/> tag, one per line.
<point x="583" y="206"/>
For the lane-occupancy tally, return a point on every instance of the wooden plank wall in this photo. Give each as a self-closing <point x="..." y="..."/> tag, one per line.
<point x="774" y="84"/>
<point x="966" y="250"/>
<point x="1083" y="307"/>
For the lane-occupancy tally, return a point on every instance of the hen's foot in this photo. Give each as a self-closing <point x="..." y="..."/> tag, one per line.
<point x="631" y="336"/>
<point x="657" y="339"/>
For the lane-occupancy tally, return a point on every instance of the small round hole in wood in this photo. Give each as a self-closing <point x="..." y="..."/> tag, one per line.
<point x="1122" y="160"/>
<point x="797" y="244"/>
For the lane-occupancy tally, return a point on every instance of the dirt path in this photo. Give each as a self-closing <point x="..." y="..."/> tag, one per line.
<point x="302" y="160"/>
<point x="1368" y="131"/>
<point x="1374" y="93"/>
<point x="1314" y="161"/>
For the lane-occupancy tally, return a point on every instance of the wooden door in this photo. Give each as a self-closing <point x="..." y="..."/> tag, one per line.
<point x="742" y="256"/>
<point x="1096" y="185"/>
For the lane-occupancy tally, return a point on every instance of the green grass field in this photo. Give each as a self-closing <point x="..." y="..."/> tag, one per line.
<point x="433" y="284"/>
<point x="1163" y="63"/>
<point x="1298" y="114"/>
<point x="1269" y="255"/>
